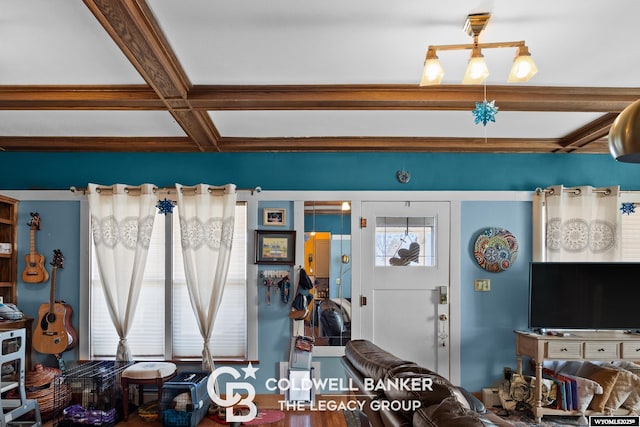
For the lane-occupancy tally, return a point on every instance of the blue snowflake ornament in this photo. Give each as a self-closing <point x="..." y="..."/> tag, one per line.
<point x="165" y="206"/>
<point x="485" y="112"/>
<point x="628" y="208"/>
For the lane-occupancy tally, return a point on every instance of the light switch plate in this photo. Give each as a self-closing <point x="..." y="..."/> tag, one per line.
<point x="482" y="285"/>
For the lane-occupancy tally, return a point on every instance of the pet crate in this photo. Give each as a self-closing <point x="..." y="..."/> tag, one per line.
<point x="185" y="399"/>
<point x="96" y="395"/>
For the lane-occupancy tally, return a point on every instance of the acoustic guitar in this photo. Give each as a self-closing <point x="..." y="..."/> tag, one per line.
<point x="54" y="332"/>
<point x="35" y="271"/>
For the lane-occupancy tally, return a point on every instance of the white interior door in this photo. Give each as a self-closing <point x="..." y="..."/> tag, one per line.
<point x="405" y="280"/>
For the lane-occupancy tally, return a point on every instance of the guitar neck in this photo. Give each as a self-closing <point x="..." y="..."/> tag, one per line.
<point x="32" y="247"/>
<point x="52" y="292"/>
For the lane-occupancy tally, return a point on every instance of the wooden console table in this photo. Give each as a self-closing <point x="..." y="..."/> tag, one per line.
<point x="585" y="346"/>
<point x="27" y="324"/>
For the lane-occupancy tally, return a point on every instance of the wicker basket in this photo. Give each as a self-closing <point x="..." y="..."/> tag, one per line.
<point x="149" y="411"/>
<point x="40" y="385"/>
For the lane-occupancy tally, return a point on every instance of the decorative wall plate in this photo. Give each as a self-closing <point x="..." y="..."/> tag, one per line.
<point x="403" y="176"/>
<point x="496" y="249"/>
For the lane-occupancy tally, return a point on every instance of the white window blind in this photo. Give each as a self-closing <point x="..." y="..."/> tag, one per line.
<point x="231" y="322"/>
<point x="153" y="325"/>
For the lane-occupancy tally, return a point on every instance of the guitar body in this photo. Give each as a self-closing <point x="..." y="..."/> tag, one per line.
<point x="35" y="271"/>
<point x="54" y="331"/>
<point x="52" y="335"/>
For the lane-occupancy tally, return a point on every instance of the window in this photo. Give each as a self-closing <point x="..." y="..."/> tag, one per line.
<point x="402" y="241"/>
<point x="164" y="325"/>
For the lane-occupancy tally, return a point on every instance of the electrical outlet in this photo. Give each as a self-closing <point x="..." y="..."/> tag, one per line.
<point x="482" y="285"/>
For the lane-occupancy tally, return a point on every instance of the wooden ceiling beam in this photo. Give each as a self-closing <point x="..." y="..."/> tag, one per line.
<point x="134" y="29"/>
<point x="600" y="146"/>
<point x="388" y="97"/>
<point x="317" y="144"/>
<point x="98" y="144"/>
<point x="597" y="130"/>
<point x="410" y="97"/>
<point x="90" y="97"/>
<point x="399" y="144"/>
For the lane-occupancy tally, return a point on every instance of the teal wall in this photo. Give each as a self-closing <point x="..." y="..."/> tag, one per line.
<point x="316" y="171"/>
<point x="58" y="230"/>
<point x="488" y="319"/>
<point x="274" y="326"/>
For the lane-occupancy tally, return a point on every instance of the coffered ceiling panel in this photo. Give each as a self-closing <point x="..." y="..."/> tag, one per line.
<point x="508" y="124"/>
<point x="58" y="42"/>
<point x="88" y="123"/>
<point x="286" y="75"/>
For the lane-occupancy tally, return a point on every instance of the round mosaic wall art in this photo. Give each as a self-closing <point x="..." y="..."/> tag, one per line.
<point x="496" y="249"/>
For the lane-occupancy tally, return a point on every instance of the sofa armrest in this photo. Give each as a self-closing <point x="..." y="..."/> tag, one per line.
<point x="357" y="380"/>
<point x="469" y="400"/>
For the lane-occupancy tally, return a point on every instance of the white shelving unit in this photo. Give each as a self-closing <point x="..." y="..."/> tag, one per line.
<point x="12" y="384"/>
<point x="580" y="346"/>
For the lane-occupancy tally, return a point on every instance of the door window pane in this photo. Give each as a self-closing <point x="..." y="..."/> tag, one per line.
<point x="405" y="241"/>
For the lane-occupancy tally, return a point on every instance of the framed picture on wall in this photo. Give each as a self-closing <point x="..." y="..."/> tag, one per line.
<point x="275" y="247"/>
<point x="274" y="216"/>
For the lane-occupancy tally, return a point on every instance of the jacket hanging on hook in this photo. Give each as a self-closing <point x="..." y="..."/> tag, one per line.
<point x="300" y="304"/>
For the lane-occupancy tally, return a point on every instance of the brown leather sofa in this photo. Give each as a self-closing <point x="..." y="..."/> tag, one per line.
<point x="397" y="392"/>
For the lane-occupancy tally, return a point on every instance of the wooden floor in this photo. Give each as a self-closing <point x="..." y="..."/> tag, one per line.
<point x="305" y="418"/>
<point x="291" y="419"/>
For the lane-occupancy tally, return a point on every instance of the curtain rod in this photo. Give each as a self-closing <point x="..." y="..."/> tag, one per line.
<point x="167" y="190"/>
<point x="572" y="190"/>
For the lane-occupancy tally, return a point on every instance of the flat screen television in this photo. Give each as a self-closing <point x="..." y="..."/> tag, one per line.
<point x="584" y="295"/>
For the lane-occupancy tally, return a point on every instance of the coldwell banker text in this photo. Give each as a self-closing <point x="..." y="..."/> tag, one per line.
<point x="333" y="385"/>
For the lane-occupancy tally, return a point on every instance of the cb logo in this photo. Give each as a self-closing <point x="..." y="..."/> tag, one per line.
<point x="231" y="397"/>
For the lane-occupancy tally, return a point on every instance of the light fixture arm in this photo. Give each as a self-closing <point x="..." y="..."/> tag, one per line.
<point x="469" y="46"/>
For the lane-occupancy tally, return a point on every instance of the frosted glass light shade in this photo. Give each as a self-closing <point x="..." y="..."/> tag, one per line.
<point x="432" y="73"/>
<point x="523" y="69"/>
<point x="477" y="70"/>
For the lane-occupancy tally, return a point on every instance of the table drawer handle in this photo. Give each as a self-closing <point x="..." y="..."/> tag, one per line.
<point x="601" y="349"/>
<point x="564" y="349"/>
